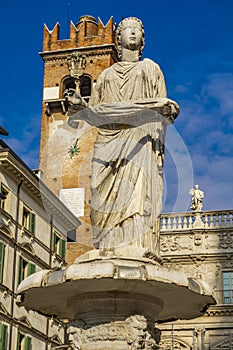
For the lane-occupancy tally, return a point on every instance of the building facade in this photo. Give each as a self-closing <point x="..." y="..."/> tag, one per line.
<point x="201" y="245"/>
<point x="34" y="226"/>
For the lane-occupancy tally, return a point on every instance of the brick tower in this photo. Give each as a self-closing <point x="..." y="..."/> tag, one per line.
<point x="68" y="174"/>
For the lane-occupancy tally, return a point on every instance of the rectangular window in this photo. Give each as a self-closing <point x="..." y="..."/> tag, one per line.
<point x="3" y="196"/>
<point x="25" y="269"/>
<point x="228" y="287"/>
<point x="29" y="220"/>
<point x="23" y="342"/>
<point x="3" y="336"/>
<point x="2" y="256"/>
<point x="59" y="245"/>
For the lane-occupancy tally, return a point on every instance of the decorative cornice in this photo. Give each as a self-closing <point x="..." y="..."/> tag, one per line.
<point x="13" y="165"/>
<point x="221" y="310"/>
<point x="90" y="51"/>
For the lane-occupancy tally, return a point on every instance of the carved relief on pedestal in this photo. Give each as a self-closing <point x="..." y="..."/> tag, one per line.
<point x="135" y="333"/>
<point x="141" y="334"/>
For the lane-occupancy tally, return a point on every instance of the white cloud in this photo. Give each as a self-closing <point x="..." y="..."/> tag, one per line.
<point x="26" y="144"/>
<point x="220" y="87"/>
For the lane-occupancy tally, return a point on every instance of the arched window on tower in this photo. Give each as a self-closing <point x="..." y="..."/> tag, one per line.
<point x="85" y="86"/>
<point x="67" y="83"/>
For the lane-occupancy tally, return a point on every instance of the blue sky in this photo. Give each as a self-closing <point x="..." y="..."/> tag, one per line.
<point x="193" y="44"/>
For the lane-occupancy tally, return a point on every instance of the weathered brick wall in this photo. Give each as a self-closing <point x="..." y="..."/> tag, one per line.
<point x="74" y="250"/>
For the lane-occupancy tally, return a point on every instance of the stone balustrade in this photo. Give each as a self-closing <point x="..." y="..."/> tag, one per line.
<point x="191" y="220"/>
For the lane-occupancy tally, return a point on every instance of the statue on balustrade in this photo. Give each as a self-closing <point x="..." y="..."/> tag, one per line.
<point x="197" y="198"/>
<point x="130" y="108"/>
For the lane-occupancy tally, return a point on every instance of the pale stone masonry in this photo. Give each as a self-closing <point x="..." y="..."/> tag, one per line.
<point x="33" y="232"/>
<point x="201" y="245"/>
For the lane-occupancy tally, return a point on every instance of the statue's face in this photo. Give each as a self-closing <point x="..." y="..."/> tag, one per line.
<point x="138" y="331"/>
<point x="131" y="34"/>
<point x="74" y="337"/>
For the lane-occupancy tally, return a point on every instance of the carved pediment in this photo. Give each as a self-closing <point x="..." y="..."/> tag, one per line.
<point x="224" y="345"/>
<point x="166" y="344"/>
<point x="3" y="310"/>
<point x="5" y="224"/>
<point x="25" y="321"/>
<point x="28" y="247"/>
<point x="56" y="338"/>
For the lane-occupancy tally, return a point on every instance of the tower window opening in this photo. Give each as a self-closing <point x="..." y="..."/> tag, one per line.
<point x="85" y="86"/>
<point x="68" y="83"/>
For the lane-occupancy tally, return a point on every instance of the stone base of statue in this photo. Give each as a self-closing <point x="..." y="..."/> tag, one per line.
<point x="113" y="298"/>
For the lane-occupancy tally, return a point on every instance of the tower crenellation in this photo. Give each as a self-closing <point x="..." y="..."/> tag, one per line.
<point x="86" y="32"/>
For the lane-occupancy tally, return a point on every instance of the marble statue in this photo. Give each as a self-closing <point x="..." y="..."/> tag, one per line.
<point x="113" y="296"/>
<point x="197" y="198"/>
<point x="129" y="105"/>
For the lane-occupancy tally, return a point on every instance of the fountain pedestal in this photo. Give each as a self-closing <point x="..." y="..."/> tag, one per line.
<point x="113" y="301"/>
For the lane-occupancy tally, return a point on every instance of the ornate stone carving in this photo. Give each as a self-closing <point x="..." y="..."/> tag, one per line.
<point x="177" y="345"/>
<point x="169" y="243"/>
<point x="225" y="240"/>
<point x="76" y="64"/>
<point x="141" y="335"/>
<point x="135" y="331"/>
<point x="75" y="334"/>
<point x="217" y="311"/>
<point x="227" y="264"/>
<point x="197" y="269"/>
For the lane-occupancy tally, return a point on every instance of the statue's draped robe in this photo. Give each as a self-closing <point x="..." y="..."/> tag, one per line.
<point x="127" y="168"/>
<point x="127" y="176"/>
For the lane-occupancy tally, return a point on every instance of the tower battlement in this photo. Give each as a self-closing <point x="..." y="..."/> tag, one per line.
<point x="86" y="32"/>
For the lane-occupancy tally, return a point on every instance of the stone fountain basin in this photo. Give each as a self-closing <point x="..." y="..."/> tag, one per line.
<point x="114" y="287"/>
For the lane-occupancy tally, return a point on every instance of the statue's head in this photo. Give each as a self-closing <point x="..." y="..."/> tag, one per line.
<point x="130" y="35"/>
<point x="137" y="329"/>
<point x="74" y="331"/>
